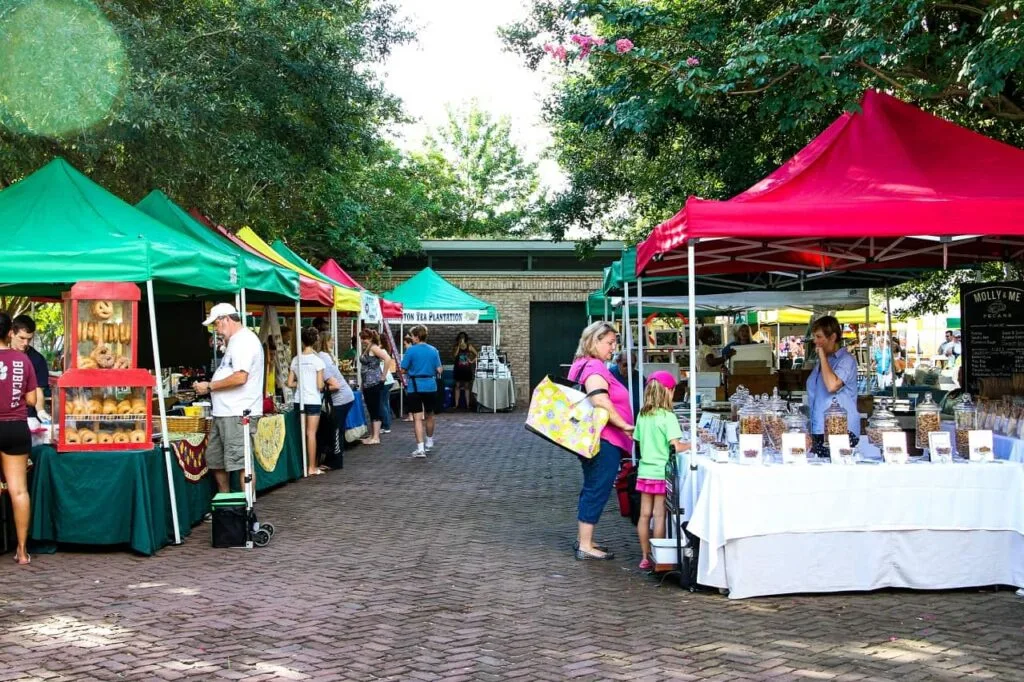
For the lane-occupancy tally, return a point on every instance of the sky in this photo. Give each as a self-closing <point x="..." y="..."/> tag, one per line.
<point x="458" y="56"/>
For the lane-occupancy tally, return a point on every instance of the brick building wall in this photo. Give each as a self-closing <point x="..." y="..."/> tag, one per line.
<point x="511" y="293"/>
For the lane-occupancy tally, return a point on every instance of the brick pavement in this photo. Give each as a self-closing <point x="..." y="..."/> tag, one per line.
<point x="459" y="568"/>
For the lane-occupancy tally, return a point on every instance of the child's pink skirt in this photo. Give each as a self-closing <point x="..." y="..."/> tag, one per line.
<point x="650" y="486"/>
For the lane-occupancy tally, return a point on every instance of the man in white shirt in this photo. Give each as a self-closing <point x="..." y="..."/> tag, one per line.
<point x="237" y="385"/>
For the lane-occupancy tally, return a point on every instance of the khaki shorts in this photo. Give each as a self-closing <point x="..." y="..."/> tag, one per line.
<point x="225" y="449"/>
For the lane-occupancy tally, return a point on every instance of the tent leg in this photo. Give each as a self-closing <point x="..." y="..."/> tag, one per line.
<point x="494" y="384"/>
<point x="165" y="443"/>
<point x="298" y="376"/>
<point x="629" y="356"/>
<point x="892" y="357"/>
<point x="334" y="331"/>
<point x="244" y="310"/>
<point x="692" y="324"/>
<point x="401" y="392"/>
<point x="640" y="333"/>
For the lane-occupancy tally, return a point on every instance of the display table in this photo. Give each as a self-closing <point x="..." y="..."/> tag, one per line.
<point x="115" y="498"/>
<point x="1003" y="447"/>
<point x="826" y="528"/>
<point x="491" y="393"/>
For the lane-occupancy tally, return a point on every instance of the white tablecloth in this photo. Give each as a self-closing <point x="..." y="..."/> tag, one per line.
<point x="490" y="393"/>
<point x="810" y="508"/>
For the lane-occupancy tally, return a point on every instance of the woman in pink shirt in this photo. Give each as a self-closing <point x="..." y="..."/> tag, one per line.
<point x="17" y="392"/>
<point x="589" y="368"/>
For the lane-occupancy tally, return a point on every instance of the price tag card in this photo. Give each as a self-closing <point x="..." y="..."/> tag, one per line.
<point x="837" y="443"/>
<point x="732" y="433"/>
<point x="705" y="420"/>
<point x="941" y="447"/>
<point x="794" y="448"/>
<point x="980" y="446"/>
<point x="894" y="447"/>
<point x="750" y="448"/>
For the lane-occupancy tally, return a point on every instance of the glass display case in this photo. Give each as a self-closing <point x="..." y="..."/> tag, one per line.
<point x="103" y="401"/>
<point x="101" y="319"/>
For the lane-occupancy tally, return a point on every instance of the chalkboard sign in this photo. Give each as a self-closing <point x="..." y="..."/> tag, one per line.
<point x="992" y="319"/>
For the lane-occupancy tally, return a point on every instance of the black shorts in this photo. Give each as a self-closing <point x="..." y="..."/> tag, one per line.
<point x="420" y="402"/>
<point x="15" y="438"/>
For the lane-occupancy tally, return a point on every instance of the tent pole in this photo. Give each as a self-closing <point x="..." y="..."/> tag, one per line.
<point x="607" y="305"/>
<point x="238" y="304"/>
<point x="165" y="443"/>
<point x="629" y="356"/>
<point x="244" y="309"/>
<point x="334" y="331"/>
<point x="640" y="333"/>
<point x="401" y="350"/>
<point x="494" y="384"/>
<point x="892" y="356"/>
<point x="691" y="281"/>
<point x="298" y="376"/>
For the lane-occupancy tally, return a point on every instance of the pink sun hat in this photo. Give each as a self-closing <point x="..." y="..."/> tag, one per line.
<point x="663" y="378"/>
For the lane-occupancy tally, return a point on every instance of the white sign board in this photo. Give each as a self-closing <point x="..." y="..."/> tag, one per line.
<point x="980" y="443"/>
<point x="794" y="448"/>
<point x="370" y="307"/>
<point x="940" y="447"/>
<point x="894" y="447"/>
<point x="441" y="316"/>
<point x="750" y="448"/>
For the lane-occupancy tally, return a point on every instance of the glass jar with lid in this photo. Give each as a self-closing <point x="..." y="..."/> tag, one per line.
<point x="927" y="419"/>
<point x="751" y="417"/>
<point x="737" y="401"/>
<point x="965" y="417"/>
<point x="775" y="409"/>
<point x="797" y="422"/>
<point x="836" y="421"/>
<point x="882" y="420"/>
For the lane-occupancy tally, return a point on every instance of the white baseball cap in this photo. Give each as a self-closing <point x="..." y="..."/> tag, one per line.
<point x="219" y="310"/>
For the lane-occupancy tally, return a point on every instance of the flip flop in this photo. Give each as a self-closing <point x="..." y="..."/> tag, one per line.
<point x="26" y="562"/>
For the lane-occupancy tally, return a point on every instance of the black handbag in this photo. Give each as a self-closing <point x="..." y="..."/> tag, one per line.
<point x="327" y="447"/>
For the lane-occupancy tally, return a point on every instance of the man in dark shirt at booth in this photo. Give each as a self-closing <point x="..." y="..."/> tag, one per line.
<point x="23" y="328"/>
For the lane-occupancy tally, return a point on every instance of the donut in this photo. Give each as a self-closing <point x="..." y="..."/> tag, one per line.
<point x="102" y="310"/>
<point x="71" y="436"/>
<point x="124" y="407"/>
<point x="105" y="438"/>
<point x="103" y="356"/>
<point x="86" y="363"/>
<point x="121" y="436"/>
<point x="86" y="436"/>
<point x="94" y="407"/>
<point x="122" y="362"/>
<point x="137" y="436"/>
<point x="138" y="406"/>
<point x="109" y="406"/>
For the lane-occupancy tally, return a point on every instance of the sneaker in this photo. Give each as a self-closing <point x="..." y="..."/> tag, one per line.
<point x="430" y="444"/>
<point x="385" y="430"/>
<point x="646" y="565"/>
<point x="207" y="517"/>
<point x="419" y="454"/>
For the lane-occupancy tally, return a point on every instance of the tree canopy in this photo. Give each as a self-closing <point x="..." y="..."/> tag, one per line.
<point x="706" y="98"/>
<point x="262" y="113"/>
<point x="479" y="182"/>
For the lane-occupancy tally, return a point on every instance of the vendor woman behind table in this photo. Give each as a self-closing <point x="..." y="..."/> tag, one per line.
<point x="835" y="376"/>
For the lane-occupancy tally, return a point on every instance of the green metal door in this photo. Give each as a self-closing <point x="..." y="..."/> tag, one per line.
<point x="554" y="334"/>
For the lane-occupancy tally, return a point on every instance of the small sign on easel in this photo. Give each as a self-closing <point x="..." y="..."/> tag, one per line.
<point x="839" y="449"/>
<point x="894" y="447"/>
<point x="794" y="448"/>
<point x="751" y="445"/>
<point x="941" y="447"/>
<point x="980" y="446"/>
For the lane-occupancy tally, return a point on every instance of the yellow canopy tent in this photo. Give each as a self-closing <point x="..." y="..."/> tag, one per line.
<point x="800" y="316"/>
<point x="345" y="299"/>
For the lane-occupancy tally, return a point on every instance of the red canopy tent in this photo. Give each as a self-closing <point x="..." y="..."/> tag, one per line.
<point x="888" y="187"/>
<point x="389" y="309"/>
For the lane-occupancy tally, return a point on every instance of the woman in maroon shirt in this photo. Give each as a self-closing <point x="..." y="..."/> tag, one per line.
<point x="17" y="392"/>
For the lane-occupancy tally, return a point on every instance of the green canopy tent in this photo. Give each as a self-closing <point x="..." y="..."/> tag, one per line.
<point x="428" y="298"/>
<point x="60" y="228"/>
<point x="267" y="282"/>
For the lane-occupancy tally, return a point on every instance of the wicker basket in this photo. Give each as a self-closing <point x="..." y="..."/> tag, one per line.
<point x="188" y="425"/>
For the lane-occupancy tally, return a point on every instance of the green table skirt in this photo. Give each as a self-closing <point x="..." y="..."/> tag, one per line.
<point x="115" y="498"/>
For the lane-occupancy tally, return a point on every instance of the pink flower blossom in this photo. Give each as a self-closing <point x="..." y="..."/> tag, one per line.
<point x="692" y="61"/>
<point x="586" y="43"/>
<point x="623" y="45"/>
<point x="556" y="51"/>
